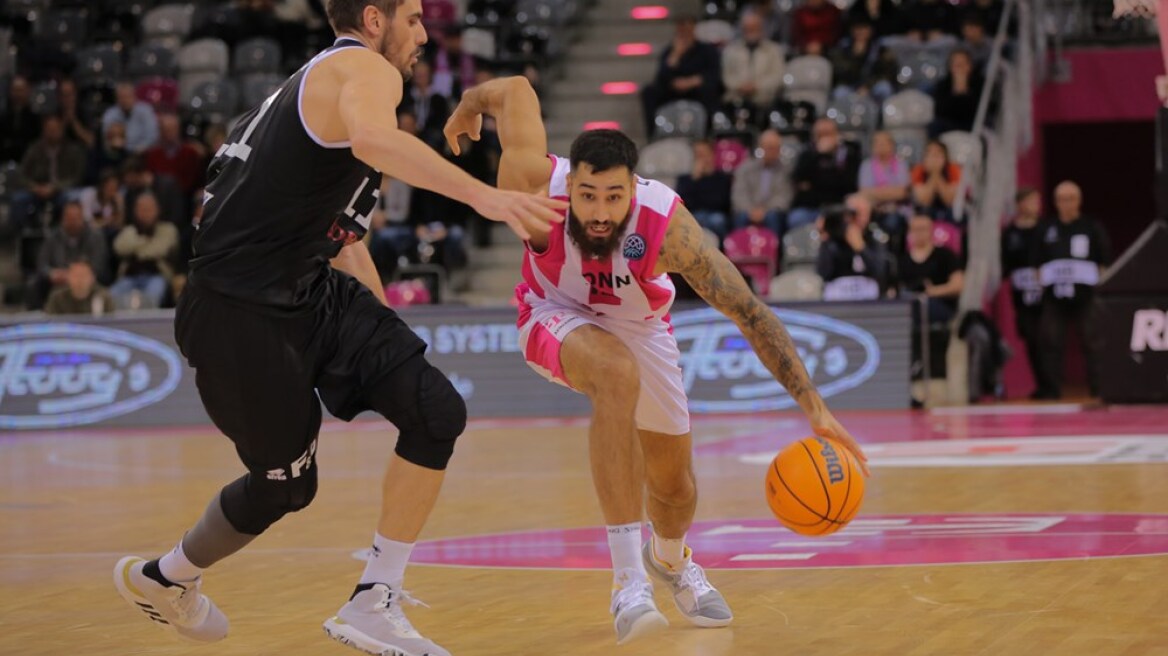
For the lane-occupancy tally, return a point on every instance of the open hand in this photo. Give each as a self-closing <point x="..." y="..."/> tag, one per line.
<point x="524" y="213"/>
<point x="462" y="122"/>
<point x="827" y="426"/>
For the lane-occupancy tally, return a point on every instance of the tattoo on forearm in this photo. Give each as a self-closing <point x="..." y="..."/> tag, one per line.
<point x="716" y="280"/>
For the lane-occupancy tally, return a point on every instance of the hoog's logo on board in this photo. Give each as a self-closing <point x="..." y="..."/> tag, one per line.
<point x="723" y="374"/>
<point x="56" y="374"/>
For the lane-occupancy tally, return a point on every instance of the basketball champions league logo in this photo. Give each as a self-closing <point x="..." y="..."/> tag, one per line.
<point x="634" y="247"/>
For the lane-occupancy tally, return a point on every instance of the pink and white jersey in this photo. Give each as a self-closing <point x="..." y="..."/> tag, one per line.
<point x="622" y="287"/>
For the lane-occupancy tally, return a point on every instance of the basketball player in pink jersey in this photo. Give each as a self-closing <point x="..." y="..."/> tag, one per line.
<point x="594" y="316"/>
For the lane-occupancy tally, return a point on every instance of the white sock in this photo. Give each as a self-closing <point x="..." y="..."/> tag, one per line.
<point x="387" y="561"/>
<point x="624" y="543"/>
<point x="669" y="552"/>
<point x="177" y="568"/>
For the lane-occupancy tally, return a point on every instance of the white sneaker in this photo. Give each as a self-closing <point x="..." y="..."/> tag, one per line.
<point x="180" y="607"/>
<point x="634" y="612"/>
<point x="699" y="601"/>
<point x="373" y="622"/>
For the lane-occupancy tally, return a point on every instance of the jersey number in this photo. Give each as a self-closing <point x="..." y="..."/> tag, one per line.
<point x="239" y="150"/>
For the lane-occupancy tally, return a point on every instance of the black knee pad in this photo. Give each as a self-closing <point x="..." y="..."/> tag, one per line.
<point x="254" y="502"/>
<point x="428" y="440"/>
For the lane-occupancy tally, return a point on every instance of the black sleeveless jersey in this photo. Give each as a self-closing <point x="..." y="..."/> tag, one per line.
<point x="279" y="204"/>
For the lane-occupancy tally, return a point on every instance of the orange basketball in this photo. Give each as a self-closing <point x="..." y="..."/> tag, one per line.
<point x="814" y="486"/>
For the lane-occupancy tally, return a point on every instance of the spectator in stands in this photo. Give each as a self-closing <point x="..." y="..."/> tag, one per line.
<point x="429" y="106"/>
<point x="975" y="40"/>
<point x="1020" y="250"/>
<point x="391" y="237"/>
<point x="147" y="247"/>
<point x="19" y="125"/>
<point x="454" y="68"/>
<point x="934" y="182"/>
<point x="72" y="241"/>
<point x="109" y="153"/>
<point x="825" y="173"/>
<point x="104" y="206"/>
<point x="927" y="20"/>
<point x="762" y="189"/>
<point x="816" y="26"/>
<point x="173" y="156"/>
<point x="689" y="70"/>
<point x="859" y="65"/>
<point x="51" y="166"/>
<point x="77" y="125"/>
<point x="775" y="23"/>
<point x="846" y="258"/>
<point x="81" y="294"/>
<point x="989" y="11"/>
<point x="885" y="181"/>
<point x="1073" y="250"/>
<point x="956" y="95"/>
<point x="138" y="117"/>
<point x="935" y="272"/>
<point x="883" y="15"/>
<point x="752" y="66"/>
<point x="706" y="190"/>
<point x="137" y="178"/>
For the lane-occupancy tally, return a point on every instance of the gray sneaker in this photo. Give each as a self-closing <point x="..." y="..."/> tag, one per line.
<point x="695" y="597"/>
<point x="373" y="622"/>
<point x="634" y="612"/>
<point x="180" y="608"/>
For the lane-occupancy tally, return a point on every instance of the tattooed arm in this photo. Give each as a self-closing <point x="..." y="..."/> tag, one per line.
<point x="686" y="251"/>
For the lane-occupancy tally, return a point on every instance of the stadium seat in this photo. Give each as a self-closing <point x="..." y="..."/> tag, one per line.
<point x="151" y="60"/>
<point x="67" y="28"/>
<point x="257" y="88"/>
<point x="168" y="24"/>
<point x="730" y="154"/>
<point x="204" y="56"/>
<point x="801" y="284"/>
<point x="801" y="246"/>
<point x="856" y="116"/>
<point x="964" y="149"/>
<point x="755" y="251"/>
<point x="666" y="159"/>
<point x="715" y="31"/>
<point x="161" y="93"/>
<point x="258" y="55"/>
<point x="216" y="101"/>
<point x="100" y="64"/>
<point x="680" y="118"/>
<point x="808" y="78"/>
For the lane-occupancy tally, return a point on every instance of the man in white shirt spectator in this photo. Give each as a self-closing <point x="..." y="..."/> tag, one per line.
<point x="752" y="66"/>
<point x="138" y="117"/>
<point x="147" y="247"/>
<point x="762" y="190"/>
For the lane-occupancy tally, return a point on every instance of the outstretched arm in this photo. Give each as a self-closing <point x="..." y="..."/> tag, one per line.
<point x="718" y="281"/>
<point x="370" y="86"/>
<point x="515" y="106"/>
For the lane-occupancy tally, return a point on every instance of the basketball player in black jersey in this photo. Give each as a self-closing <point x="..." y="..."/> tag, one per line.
<point x="284" y="304"/>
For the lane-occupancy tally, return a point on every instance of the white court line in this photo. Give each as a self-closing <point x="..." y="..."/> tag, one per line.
<point x="754" y="558"/>
<point x="1052" y="409"/>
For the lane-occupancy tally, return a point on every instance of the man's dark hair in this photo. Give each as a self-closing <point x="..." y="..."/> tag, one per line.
<point x="1023" y="193"/>
<point x="345" y="15"/>
<point x="604" y="150"/>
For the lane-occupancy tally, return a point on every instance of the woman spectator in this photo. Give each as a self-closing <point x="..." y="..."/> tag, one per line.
<point x="956" y="96"/>
<point x="934" y="182"/>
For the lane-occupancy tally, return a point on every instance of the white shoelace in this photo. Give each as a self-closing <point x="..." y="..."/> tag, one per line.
<point x="632" y="594"/>
<point x="694" y="578"/>
<point x="391" y="608"/>
<point x="188" y="602"/>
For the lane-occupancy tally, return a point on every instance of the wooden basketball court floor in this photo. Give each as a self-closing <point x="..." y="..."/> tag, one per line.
<point x="1065" y="497"/>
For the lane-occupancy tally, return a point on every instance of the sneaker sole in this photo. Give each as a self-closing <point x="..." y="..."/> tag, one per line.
<point x="138" y="601"/>
<point x="348" y="635"/>
<point x="646" y="625"/>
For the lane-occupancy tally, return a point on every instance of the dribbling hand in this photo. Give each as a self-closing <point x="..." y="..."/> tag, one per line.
<point x="827" y="426"/>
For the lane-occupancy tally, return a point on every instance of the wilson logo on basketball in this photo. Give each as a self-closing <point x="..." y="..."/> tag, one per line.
<point x="54" y="375"/>
<point x="835" y="471"/>
<point x="723" y="374"/>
